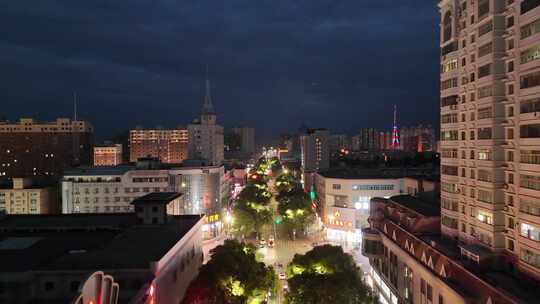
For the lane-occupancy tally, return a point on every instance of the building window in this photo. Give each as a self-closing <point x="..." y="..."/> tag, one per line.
<point x="530" y="80"/>
<point x="483" y="9"/>
<point x="336" y="186"/>
<point x="485" y="49"/>
<point x="485" y="113"/>
<point x="484" y="133"/>
<point x="485" y="91"/>
<point x="485" y="217"/>
<point x="530" y="106"/>
<point x="511" y="223"/>
<point x="484" y="154"/>
<point x="485" y="196"/>
<point x="530" y="257"/>
<point x="485" y="28"/>
<point x="441" y="299"/>
<point x="447" y="26"/>
<point x="528" y="5"/>
<point x="530" y="232"/>
<point x="530" y="29"/>
<point x="484" y="70"/>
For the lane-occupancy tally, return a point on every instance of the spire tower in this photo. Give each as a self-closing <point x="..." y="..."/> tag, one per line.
<point x="208" y="107"/>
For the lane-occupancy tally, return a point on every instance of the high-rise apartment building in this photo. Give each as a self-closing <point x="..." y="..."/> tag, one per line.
<point x="205" y="136"/>
<point x="338" y="142"/>
<point x="417" y="138"/>
<point x="170" y="146"/>
<point x="315" y="154"/>
<point x="108" y="155"/>
<point x="246" y="139"/>
<point x="43" y="150"/>
<point x="369" y="139"/>
<point x="490" y="129"/>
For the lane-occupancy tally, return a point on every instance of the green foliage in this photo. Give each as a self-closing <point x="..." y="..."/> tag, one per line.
<point x="252" y="209"/>
<point x="295" y="209"/>
<point x="232" y="276"/>
<point x="326" y="275"/>
<point x="286" y="183"/>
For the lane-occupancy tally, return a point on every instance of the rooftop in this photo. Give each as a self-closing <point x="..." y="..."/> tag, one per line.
<point x="425" y="205"/>
<point x="86" y="242"/>
<point x="362" y="173"/>
<point x="157" y="197"/>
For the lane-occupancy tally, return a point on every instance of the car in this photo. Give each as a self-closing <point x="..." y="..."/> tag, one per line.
<point x="280" y="265"/>
<point x="285" y="288"/>
<point x="282" y="276"/>
<point x="271" y="242"/>
<point x="262" y="242"/>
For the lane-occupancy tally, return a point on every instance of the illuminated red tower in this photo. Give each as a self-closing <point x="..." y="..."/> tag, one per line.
<point x="395" y="132"/>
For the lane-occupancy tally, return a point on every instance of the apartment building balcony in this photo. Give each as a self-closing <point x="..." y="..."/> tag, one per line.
<point x="449" y="109"/>
<point x="528" y="217"/>
<point x="524" y="117"/>
<point x="527" y="191"/>
<point x="529" y="142"/>
<point x="508" y="122"/>
<point x="528" y="242"/>
<point x="492" y="164"/>
<point x="488" y="142"/>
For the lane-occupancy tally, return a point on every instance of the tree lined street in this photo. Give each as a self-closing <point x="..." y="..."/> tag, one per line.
<point x="270" y="218"/>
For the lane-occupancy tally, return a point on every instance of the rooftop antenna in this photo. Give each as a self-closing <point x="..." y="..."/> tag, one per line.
<point x="74" y="106"/>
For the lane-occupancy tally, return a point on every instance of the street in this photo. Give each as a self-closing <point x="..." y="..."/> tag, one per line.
<point x="283" y="253"/>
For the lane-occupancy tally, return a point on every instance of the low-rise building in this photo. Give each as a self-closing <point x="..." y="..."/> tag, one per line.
<point x="343" y="200"/>
<point x="25" y="198"/>
<point x="108" y="155"/>
<point x="112" y="189"/>
<point x="412" y="262"/>
<point x="48" y="258"/>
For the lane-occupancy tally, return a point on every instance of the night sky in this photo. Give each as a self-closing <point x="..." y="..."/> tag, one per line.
<point x="274" y="64"/>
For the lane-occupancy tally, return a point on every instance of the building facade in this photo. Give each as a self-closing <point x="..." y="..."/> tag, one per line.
<point x="110" y="190"/>
<point x="170" y="146"/>
<point x="108" y="155"/>
<point x="490" y="131"/>
<point x="343" y="201"/>
<point x="314" y="147"/>
<point x="412" y="262"/>
<point x="23" y="198"/>
<point x="418" y="138"/>
<point x="247" y="139"/>
<point x="43" y="150"/>
<point x="314" y="155"/>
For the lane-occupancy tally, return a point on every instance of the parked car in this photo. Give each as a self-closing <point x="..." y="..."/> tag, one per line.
<point x="282" y="276"/>
<point x="271" y="242"/>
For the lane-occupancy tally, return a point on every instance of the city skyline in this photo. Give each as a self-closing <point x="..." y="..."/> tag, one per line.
<point x="300" y="60"/>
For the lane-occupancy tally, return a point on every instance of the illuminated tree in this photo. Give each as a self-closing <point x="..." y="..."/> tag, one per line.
<point x="232" y="276"/>
<point x="326" y="274"/>
<point x="286" y="182"/>
<point x="295" y="209"/>
<point x="252" y="209"/>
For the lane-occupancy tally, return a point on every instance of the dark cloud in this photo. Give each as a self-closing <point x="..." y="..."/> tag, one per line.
<point x="336" y="64"/>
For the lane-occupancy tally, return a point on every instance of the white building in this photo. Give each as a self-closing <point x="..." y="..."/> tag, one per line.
<point x="344" y="201"/>
<point x="24" y="198"/>
<point x="205" y="136"/>
<point x="112" y="189"/>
